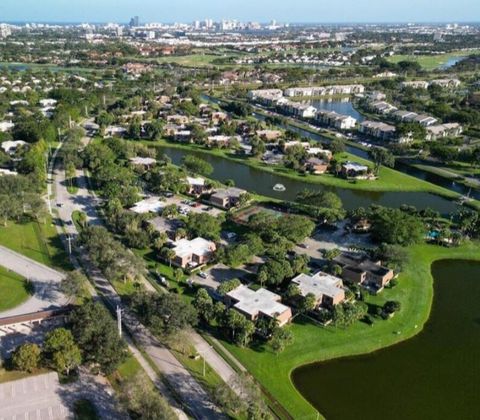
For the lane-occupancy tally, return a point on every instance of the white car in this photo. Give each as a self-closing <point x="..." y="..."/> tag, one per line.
<point x="202" y="274"/>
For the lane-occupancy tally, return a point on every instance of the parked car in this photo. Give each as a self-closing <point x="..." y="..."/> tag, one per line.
<point x="203" y="275"/>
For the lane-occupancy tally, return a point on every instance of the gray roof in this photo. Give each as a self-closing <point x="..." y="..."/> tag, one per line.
<point x="319" y="284"/>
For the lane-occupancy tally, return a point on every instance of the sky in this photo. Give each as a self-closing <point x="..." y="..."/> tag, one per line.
<point x="169" y="11"/>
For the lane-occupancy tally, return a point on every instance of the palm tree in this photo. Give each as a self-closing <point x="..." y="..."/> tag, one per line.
<point x="168" y="254"/>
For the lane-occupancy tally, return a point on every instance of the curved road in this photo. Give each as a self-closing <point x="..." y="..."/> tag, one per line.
<point x="46" y="283"/>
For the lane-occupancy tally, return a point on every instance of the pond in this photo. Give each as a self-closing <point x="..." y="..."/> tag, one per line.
<point x="340" y="106"/>
<point x="435" y="375"/>
<point x="262" y="182"/>
<point x="399" y="166"/>
<point x="451" y="62"/>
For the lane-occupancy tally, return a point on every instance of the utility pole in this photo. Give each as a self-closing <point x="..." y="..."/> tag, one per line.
<point x="119" y="320"/>
<point x="69" y="239"/>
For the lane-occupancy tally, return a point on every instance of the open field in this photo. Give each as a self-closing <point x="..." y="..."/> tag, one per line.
<point x="37" y="241"/>
<point x="13" y="290"/>
<point x="314" y="343"/>
<point x="430" y="62"/>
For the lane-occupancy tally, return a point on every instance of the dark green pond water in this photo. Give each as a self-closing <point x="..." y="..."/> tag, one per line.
<point x="435" y="375"/>
<point x="262" y="182"/>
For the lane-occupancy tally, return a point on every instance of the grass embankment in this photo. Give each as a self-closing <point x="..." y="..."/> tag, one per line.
<point x="389" y="179"/>
<point x="38" y="241"/>
<point x="7" y="375"/>
<point x="125" y="371"/>
<point x="14" y="290"/>
<point x="314" y="343"/>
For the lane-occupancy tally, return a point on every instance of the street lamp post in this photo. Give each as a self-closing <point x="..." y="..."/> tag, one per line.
<point x="119" y="320"/>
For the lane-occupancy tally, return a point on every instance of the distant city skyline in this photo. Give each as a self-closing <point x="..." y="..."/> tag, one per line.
<point x="306" y="11"/>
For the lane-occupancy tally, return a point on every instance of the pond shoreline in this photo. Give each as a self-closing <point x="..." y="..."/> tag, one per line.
<point x="416" y="291"/>
<point x="392" y="357"/>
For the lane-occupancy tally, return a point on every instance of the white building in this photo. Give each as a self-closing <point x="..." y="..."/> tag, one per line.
<point x="148" y="205"/>
<point x="11" y="146"/>
<point x="327" y="289"/>
<point x="257" y="303"/>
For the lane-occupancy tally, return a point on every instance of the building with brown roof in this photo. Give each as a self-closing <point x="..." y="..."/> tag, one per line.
<point x="358" y="268"/>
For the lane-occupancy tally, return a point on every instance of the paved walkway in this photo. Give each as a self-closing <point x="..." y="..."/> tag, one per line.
<point x="46" y="283"/>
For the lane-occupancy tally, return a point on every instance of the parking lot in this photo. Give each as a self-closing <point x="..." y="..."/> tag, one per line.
<point x="219" y="273"/>
<point x="192" y="206"/>
<point x="330" y="239"/>
<point x="35" y="398"/>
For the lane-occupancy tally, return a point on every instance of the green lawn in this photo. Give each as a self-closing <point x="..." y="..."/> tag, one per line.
<point x="127" y="370"/>
<point x="37" y="241"/>
<point x="193" y="60"/>
<point x="8" y="375"/>
<point x="429" y="62"/>
<point x="314" y="343"/>
<point x="14" y="290"/>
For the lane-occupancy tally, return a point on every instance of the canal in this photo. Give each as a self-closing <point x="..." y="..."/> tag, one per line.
<point x="347" y="108"/>
<point x="262" y="183"/>
<point x="434" y="375"/>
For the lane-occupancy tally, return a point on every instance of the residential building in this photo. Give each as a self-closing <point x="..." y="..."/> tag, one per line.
<point x="354" y="170"/>
<point x="358" y="268"/>
<point x="143" y="162"/>
<point x="297" y="109"/>
<point x="148" y="205"/>
<point x="11" y="146"/>
<point x="219" y="140"/>
<point x="265" y="96"/>
<point x="327" y="289"/>
<point x="269" y="135"/>
<point x="316" y="165"/>
<point x="381" y="107"/>
<point x="325" y="90"/>
<point x="425" y="120"/>
<point x="435" y="132"/>
<point x="227" y="198"/>
<point x="197" y="186"/>
<point x="115" y="130"/>
<point x="446" y="83"/>
<point x="192" y="253"/>
<point x="255" y="304"/>
<point x="333" y="119"/>
<point x="415" y="84"/>
<point x="377" y="129"/>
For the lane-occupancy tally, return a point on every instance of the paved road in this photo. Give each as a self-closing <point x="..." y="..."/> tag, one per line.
<point x="218" y="364"/>
<point x="45" y="280"/>
<point x="179" y="379"/>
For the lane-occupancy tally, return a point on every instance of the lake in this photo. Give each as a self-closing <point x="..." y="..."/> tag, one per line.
<point x="399" y="166"/>
<point x="435" y="375"/>
<point x="262" y="183"/>
<point x="451" y="62"/>
<point x="340" y="106"/>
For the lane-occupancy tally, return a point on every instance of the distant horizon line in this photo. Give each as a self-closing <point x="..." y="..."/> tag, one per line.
<point x="406" y="22"/>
